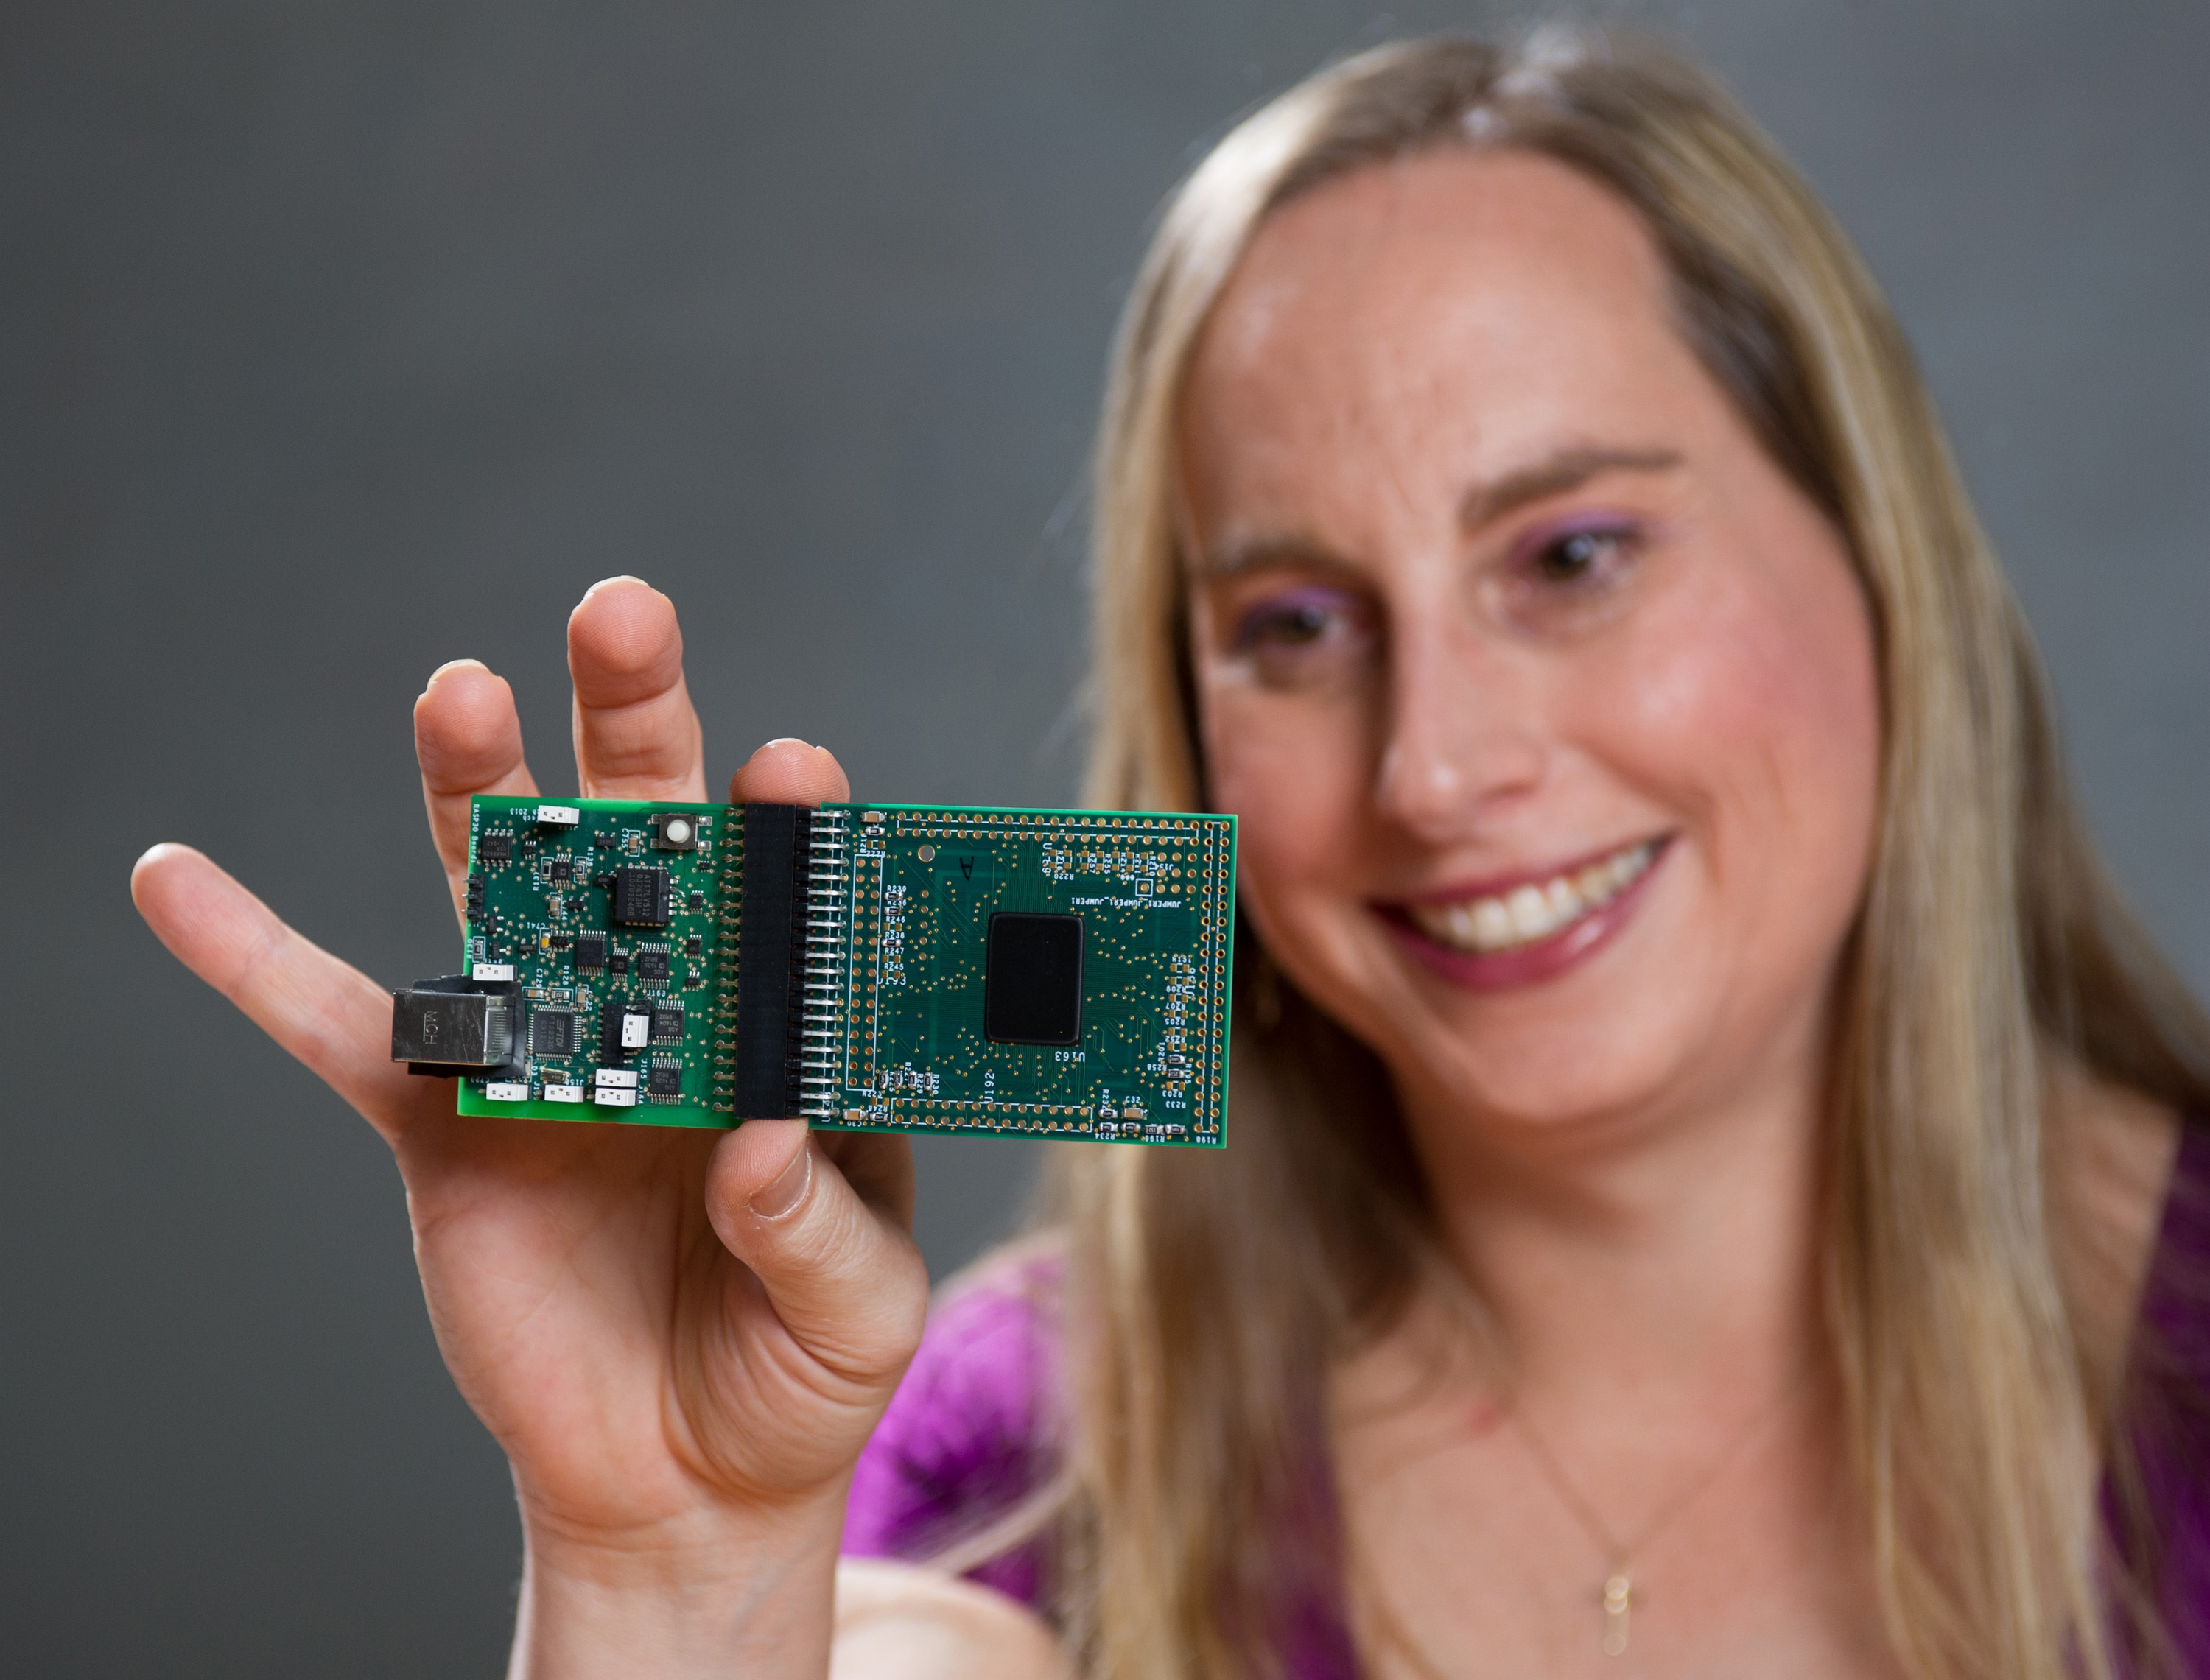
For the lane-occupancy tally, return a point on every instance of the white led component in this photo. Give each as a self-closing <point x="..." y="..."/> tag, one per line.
<point x="501" y="1092"/>
<point x="492" y="971"/>
<point x="616" y="1078"/>
<point x="564" y="1093"/>
<point x="610" y="1096"/>
<point x="566" y="816"/>
<point x="637" y="1031"/>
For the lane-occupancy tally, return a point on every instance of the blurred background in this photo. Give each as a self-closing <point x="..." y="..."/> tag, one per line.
<point x="338" y="342"/>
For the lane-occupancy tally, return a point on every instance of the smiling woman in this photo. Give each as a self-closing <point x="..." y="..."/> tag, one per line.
<point x="1718" y="1182"/>
<point x="1711" y="1184"/>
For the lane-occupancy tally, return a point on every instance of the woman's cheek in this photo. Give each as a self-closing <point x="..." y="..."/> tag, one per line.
<point x="1754" y="719"/>
<point x="1292" y="774"/>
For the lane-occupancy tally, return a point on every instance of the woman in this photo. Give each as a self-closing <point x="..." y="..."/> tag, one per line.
<point x="1709" y="1189"/>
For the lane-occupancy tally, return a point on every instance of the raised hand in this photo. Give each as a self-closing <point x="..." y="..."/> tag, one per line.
<point x="681" y="1340"/>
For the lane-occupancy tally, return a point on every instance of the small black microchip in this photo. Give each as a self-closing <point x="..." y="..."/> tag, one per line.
<point x="495" y="848"/>
<point x="695" y="901"/>
<point x="641" y="897"/>
<point x="552" y="1033"/>
<point x="664" y="1079"/>
<point x="1032" y="985"/>
<point x="693" y="945"/>
<point x="621" y="961"/>
<point x="560" y="869"/>
<point x="590" y="950"/>
<point x="668" y="1021"/>
<point x="652" y="964"/>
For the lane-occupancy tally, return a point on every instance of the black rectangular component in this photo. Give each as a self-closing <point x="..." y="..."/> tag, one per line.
<point x="552" y="1033"/>
<point x="651" y="964"/>
<point x="668" y="1021"/>
<point x="611" y="1052"/>
<point x="697" y="902"/>
<point x="590" y="950"/>
<point x="1032" y="984"/>
<point x="475" y="896"/>
<point x="621" y="961"/>
<point x="771" y="959"/>
<point x="495" y="848"/>
<point x="693" y="946"/>
<point x="641" y="897"/>
<point x="664" y="1079"/>
<point x="560" y="869"/>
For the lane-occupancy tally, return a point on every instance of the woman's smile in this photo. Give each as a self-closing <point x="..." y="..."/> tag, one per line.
<point x="1530" y="925"/>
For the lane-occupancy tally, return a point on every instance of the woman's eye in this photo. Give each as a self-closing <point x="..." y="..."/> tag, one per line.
<point x="1294" y="638"/>
<point x="1294" y="626"/>
<point x="1579" y="557"/>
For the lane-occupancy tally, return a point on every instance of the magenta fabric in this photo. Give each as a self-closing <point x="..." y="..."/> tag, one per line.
<point x="970" y="1435"/>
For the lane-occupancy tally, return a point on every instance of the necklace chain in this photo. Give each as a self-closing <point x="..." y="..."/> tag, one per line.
<point x="1618" y="1592"/>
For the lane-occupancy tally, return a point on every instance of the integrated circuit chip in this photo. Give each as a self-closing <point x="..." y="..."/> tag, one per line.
<point x="641" y="897"/>
<point x="1032" y="980"/>
<point x="667" y="1023"/>
<point x="651" y="964"/>
<point x="664" y="1079"/>
<point x="495" y="848"/>
<point x="552" y="1033"/>
<point x="590" y="951"/>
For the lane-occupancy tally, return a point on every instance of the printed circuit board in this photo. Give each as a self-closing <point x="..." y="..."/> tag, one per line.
<point x="868" y="967"/>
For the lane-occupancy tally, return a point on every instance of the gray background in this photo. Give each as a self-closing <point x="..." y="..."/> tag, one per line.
<point x="337" y="342"/>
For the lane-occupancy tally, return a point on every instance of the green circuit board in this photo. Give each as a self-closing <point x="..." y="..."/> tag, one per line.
<point x="1043" y="973"/>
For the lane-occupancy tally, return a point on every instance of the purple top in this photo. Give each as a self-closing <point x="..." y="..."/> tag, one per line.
<point x="969" y="1434"/>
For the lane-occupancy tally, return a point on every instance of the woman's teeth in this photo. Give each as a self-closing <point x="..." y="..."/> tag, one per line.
<point x="1534" y="912"/>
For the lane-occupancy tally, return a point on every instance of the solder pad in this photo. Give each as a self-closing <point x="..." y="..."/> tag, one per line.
<point x="871" y="967"/>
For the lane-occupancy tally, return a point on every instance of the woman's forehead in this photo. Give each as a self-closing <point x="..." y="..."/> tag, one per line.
<point x="1478" y="306"/>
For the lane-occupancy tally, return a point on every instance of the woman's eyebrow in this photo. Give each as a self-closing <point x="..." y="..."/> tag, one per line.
<point x="1567" y="469"/>
<point x="1267" y="551"/>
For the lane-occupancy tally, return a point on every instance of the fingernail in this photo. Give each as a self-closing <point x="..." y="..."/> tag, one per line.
<point x="788" y="741"/>
<point x="455" y="665"/>
<point x="775" y="1199"/>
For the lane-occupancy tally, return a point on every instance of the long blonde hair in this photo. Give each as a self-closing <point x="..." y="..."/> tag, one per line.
<point x="1208" y="1294"/>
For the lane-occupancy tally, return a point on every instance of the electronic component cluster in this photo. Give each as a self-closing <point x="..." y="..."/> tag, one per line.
<point x="876" y="968"/>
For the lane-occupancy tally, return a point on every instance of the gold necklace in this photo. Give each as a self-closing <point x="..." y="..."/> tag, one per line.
<point x="1617" y="1596"/>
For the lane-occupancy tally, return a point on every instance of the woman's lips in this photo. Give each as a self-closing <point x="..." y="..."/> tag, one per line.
<point x="1531" y="930"/>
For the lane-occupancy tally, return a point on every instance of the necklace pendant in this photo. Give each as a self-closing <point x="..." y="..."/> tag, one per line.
<point x="1618" y="1598"/>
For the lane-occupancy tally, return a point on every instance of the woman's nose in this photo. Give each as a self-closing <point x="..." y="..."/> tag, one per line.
<point x="1464" y="734"/>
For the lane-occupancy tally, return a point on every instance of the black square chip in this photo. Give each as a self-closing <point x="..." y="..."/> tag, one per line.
<point x="651" y="964"/>
<point x="590" y="950"/>
<point x="664" y="1079"/>
<point x="495" y="848"/>
<point x="1032" y="985"/>
<point x="552" y="1033"/>
<point x="641" y="897"/>
<point x="668" y="1021"/>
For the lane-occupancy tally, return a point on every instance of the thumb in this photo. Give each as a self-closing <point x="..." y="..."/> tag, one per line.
<point x="842" y="1274"/>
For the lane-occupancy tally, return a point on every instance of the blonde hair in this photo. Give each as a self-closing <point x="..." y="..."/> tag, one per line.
<point x="1207" y="1294"/>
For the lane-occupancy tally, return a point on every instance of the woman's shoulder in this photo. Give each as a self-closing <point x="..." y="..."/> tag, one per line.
<point x="973" y="1429"/>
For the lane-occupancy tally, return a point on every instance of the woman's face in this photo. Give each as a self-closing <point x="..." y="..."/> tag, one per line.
<point x="1547" y="700"/>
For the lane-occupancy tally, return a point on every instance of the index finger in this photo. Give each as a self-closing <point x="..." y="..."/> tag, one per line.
<point x="327" y="1013"/>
